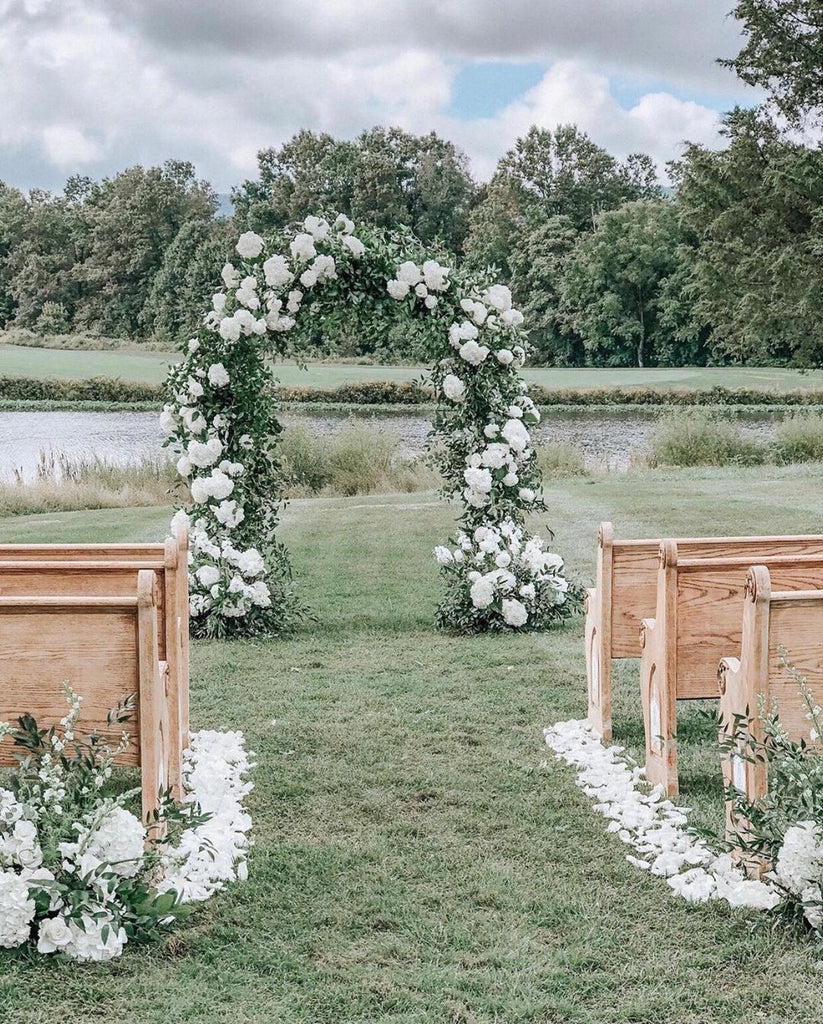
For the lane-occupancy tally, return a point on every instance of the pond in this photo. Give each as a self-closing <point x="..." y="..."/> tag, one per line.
<point x="608" y="438"/>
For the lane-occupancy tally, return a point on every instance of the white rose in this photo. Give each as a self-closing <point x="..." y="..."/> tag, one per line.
<point x="194" y="345"/>
<point x="184" y="466"/>
<point x="230" y="275"/>
<point x="498" y="297"/>
<point x="308" y="278"/>
<point x="316" y="226"/>
<point x="511" y="479"/>
<point x="421" y="291"/>
<point x="492" y="430"/>
<point x="276" y="271"/>
<point x="354" y="245"/>
<point x="454" y="388"/>
<point x="53" y="935"/>
<point x="249" y="245"/>
<point x="435" y="276"/>
<point x="495" y="456"/>
<point x="504" y="356"/>
<point x="430" y="301"/>
<point x="442" y="555"/>
<point x="514" y="612"/>
<point x="409" y="273"/>
<point x="397" y="289"/>
<point x="479" y="480"/>
<point x="343" y="224"/>
<point x="168" y="420"/>
<point x="482" y="593"/>
<point x="473" y="353"/>
<point x="230" y="329"/>
<point x="516" y="434"/>
<point x="218" y="375"/>
<point x="302" y="248"/>
<point x="208" y="575"/>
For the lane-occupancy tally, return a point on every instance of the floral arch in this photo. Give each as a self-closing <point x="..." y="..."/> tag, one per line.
<point x="221" y="418"/>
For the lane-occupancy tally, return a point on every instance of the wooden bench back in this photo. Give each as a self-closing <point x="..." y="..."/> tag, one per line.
<point x="106" y="648"/>
<point x="627" y="574"/>
<point x="700" y="600"/>
<point x="774" y="622"/>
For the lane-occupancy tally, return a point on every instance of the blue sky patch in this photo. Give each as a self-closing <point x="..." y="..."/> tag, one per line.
<point x="483" y="89"/>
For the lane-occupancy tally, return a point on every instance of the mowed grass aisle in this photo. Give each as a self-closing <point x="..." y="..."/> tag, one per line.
<point x="418" y="858"/>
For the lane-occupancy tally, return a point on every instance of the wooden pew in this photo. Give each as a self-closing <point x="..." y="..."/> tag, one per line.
<point x="106" y="648"/>
<point x="626" y="593"/>
<point x="111" y="570"/>
<point x="772" y="620"/>
<point x="698" y="620"/>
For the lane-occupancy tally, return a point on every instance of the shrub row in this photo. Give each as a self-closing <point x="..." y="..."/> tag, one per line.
<point x="388" y="392"/>
<point x="93" y="389"/>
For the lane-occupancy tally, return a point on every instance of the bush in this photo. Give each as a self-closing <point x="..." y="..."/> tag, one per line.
<point x="799" y="438"/>
<point x="702" y="439"/>
<point x="378" y="392"/>
<point x="53" y="319"/>
<point x="93" y="389"/>
<point x="558" y="460"/>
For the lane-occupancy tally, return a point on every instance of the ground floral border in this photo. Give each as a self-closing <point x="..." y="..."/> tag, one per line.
<point x="221" y="419"/>
<point x="661" y="841"/>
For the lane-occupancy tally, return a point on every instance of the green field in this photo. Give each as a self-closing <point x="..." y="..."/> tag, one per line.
<point x="418" y="857"/>
<point x="20" y="361"/>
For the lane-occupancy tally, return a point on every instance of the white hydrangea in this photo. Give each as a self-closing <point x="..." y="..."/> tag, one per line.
<point x="514" y="612"/>
<point x="482" y="592"/>
<point x="230" y="514"/>
<point x="249" y="245"/>
<point x="302" y="248"/>
<point x="479" y="480"/>
<point x="435" y="276"/>
<point x="16" y="910"/>
<point x="458" y="333"/>
<point x="205" y="454"/>
<point x="117" y="842"/>
<point x="499" y="297"/>
<point x="516" y="435"/>
<point x="277" y="272"/>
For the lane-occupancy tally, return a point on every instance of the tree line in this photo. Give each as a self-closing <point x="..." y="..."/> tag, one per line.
<point x="610" y="268"/>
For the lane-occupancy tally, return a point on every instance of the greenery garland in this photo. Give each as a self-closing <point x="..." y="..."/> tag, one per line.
<point x="221" y="418"/>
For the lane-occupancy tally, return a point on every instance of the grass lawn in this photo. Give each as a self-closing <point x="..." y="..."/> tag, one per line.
<point x="134" y="365"/>
<point x="419" y="859"/>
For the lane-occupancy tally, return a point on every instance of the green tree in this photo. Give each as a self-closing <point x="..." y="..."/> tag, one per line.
<point x="612" y="288"/>
<point x="386" y="178"/>
<point x="783" y="53"/>
<point x="13" y="218"/>
<point x="549" y="174"/>
<point x="131" y="220"/>
<point x="538" y="267"/>
<point x="189" y="275"/>
<point x="757" y="209"/>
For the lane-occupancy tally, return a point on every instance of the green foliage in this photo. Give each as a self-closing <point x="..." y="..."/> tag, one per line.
<point x="783" y="53"/>
<point x="94" y="389"/>
<point x="612" y="289"/>
<point x="756" y="208"/>
<point x="800" y="438"/>
<point x="386" y="178"/>
<point x="53" y="319"/>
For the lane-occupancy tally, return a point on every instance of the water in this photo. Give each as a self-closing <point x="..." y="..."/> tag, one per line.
<point x="607" y="437"/>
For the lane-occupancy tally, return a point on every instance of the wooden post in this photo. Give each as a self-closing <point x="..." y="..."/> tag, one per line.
<point x="599" y="637"/>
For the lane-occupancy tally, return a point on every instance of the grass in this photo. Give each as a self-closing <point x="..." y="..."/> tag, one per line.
<point x="134" y="364"/>
<point x="700" y="438"/>
<point x="418" y="857"/>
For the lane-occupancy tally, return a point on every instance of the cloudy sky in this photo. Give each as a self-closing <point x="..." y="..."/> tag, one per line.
<point x="92" y="86"/>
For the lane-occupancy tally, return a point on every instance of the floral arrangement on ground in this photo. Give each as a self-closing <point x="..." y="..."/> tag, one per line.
<point x="783" y="834"/>
<point x="221" y="419"/>
<point x="80" y="874"/>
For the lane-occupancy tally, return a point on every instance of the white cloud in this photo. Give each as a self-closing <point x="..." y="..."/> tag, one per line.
<point x="95" y="86"/>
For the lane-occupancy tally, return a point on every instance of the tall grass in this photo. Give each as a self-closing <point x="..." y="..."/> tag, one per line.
<point x="700" y="438"/>
<point x="62" y="484"/>
<point x="799" y="438"/>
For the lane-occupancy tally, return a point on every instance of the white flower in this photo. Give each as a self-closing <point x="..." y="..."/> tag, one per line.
<point x="308" y="278"/>
<point x="229" y="328"/>
<point x="250" y="563"/>
<point x="249" y="245"/>
<point x="208" y="575"/>
<point x="118" y="842"/>
<point x="491" y="430"/>
<point x="204" y="455"/>
<point x="473" y="353"/>
<point x="218" y="303"/>
<point x="514" y="612"/>
<point x="528" y="591"/>
<point x="454" y="388"/>
<point x="512" y="317"/>
<point x="430" y="301"/>
<point x="343" y="224"/>
<point x="526" y="494"/>
<point x="409" y="273"/>
<point x="302" y="248"/>
<point x="504" y="356"/>
<point x="53" y="935"/>
<point x="498" y="297"/>
<point x="230" y="275"/>
<point x="510" y="479"/>
<point x="435" y="277"/>
<point x="16" y="910"/>
<point x="495" y="456"/>
<point x="87" y="942"/>
<point x="184" y="465"/>
<point x="247" y="295"/>
<point x="482" y="592"/>
<point x="421" y="291"/>
<point x="195" y="388"/>
<point x="316" y="226"/>
<point x="516" y="435"/>
<point x="230" y="514"/>
<point x="168" y="420"/>
<point x="276" y="271"/>
<point x="218" y="375"/>
<point x="442" y="555"/>
<point x="800" y="860"/>
<point x="397" y="289"/>
<point x="354" y="245"/>
<point x="324" y="266"/>
<point x="479" y="480"/>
